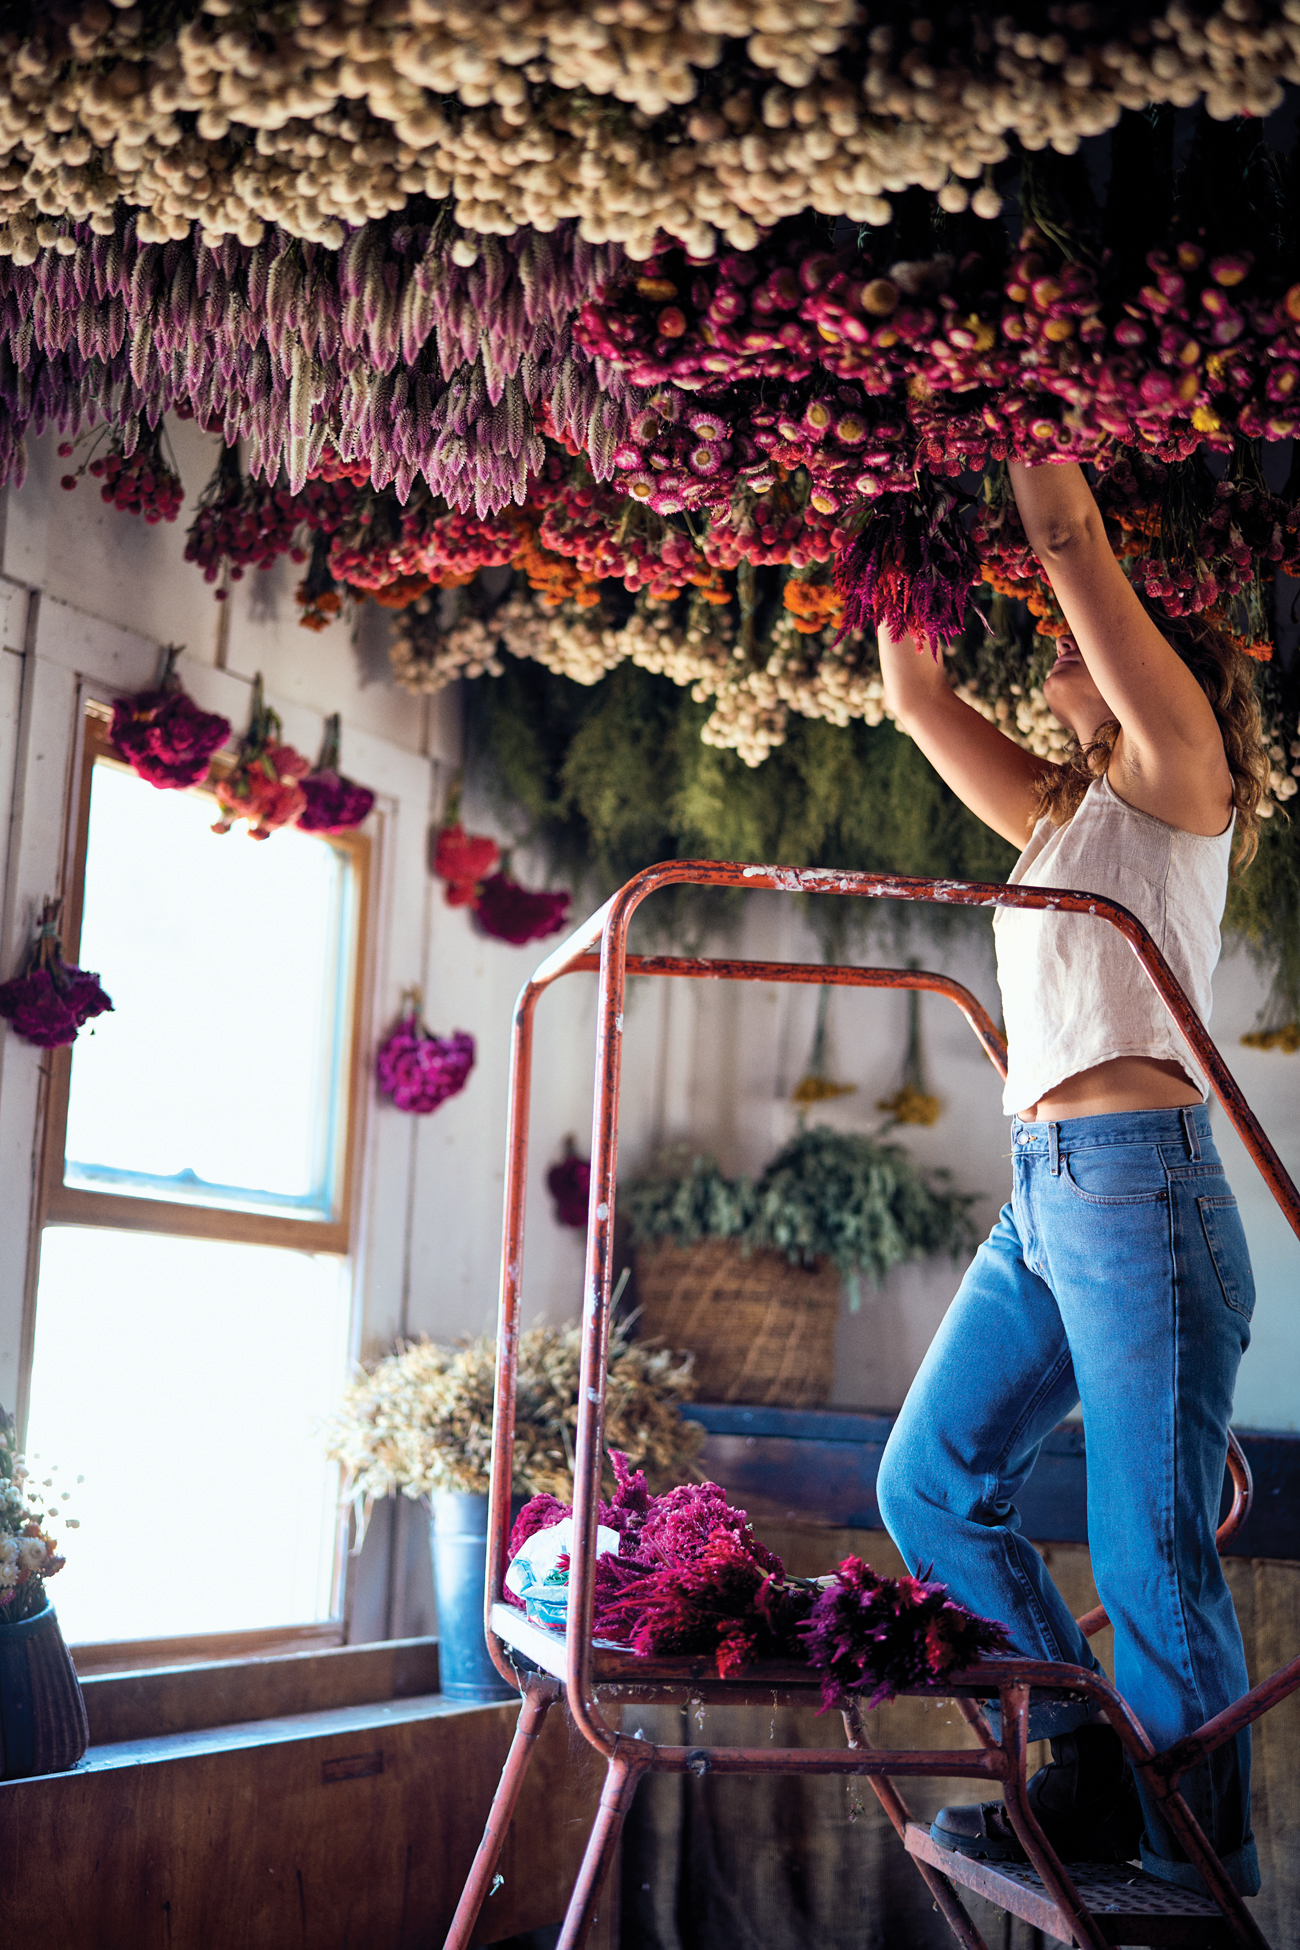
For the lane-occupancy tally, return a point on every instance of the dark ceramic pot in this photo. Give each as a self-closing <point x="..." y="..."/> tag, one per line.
<point x="43" y="1725"/>
<point x="458" y="1536"/>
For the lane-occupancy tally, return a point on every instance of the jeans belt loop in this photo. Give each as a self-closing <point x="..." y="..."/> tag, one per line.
<point x="1054" y="1149"/>
<point x="1190" y="1135"/>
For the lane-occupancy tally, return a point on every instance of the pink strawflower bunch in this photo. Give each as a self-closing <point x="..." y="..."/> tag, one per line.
<point x="163" y="735"/>
<point x="419" y="1070"/>
<point x="50" y="1003"/>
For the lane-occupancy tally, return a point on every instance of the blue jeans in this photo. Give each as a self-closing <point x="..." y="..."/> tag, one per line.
<point x="1119" y="1278"/>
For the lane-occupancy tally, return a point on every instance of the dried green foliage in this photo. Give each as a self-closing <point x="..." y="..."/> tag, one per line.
<point x="835" y="1194"/>
<point x="420" y="1419"/>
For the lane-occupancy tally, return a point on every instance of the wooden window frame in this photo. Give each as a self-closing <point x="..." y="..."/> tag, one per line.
<point x="60" y="1204"/>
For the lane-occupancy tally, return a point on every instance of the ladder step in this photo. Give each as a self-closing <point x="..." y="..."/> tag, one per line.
<point x="1129" y="1906"/>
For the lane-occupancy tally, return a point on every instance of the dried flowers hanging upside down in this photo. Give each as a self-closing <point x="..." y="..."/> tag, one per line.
<point x="264" y="786"/>
<point x="53" y="1000"/>
<point x="333" y="804"/>
<point x="417" y="1069"/>
<point x="163" y="735"/>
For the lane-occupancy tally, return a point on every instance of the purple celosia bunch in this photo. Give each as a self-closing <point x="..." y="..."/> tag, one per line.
<point x="517" y="914"/>
<point x="419" y="1070"/>
<point x="877" y="1636"/>
<point x="163" y="735"/>
<point x="690" y="1577"/>
<point x="911" y="568"/>
<point x="334" y="804"/>
<point x="50" y="1003"/>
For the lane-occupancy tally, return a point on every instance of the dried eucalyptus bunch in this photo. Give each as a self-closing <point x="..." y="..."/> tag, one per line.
<point x="420" y="1419"/>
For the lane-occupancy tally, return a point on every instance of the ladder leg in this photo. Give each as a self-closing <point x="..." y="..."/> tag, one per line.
<point x="540" y="1694"/>
<point x="621" y="1783"/>
<point x="1015" y="1792"/>
<point x="947" y="1901"/>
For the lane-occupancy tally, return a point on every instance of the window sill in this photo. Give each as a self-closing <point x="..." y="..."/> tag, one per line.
<point x="147" y="1705"/>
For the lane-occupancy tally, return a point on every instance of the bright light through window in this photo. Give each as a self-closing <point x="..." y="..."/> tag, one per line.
<point x="220" y="1078"/>
<point x="187" y="1380"/>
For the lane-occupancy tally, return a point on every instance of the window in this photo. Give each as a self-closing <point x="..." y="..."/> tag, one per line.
<point x="193" y="1295"/>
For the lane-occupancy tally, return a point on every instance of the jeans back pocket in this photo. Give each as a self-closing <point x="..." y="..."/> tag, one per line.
<point x="1226" y="1238"/>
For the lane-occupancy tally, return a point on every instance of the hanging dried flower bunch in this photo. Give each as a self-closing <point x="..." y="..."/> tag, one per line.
<point x="417" y="1069"/>
<point x="163" y="735"/>
<point x="569" y="1184"/>
<point x="264" y="787"/>
<point x="333" y="804"/>
<point x="510" y="912"/>
<point x="50" y="1002"/>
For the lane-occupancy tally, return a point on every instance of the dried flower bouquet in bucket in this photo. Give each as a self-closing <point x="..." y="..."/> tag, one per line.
<point x="420" y="1419"/>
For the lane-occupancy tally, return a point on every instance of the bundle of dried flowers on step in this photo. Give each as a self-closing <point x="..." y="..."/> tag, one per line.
<point x="264" y="787"/>
<point x="877" y="1636"/>
<point x="334" y="804"/>
<point x="691" y="1578"/>
<point x="49" y="1004"/>
<point x="163" y="735"/>
<point x="417" y="1069"/>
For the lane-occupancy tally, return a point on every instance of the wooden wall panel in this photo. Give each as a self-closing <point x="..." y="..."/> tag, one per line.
<point x="358" y="1838"/>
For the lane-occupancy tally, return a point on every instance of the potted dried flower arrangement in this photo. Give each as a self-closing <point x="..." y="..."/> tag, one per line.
<point x="746" y="1273"/>
<point x="42" y="1715"/>
<point x="419" y="1421"/>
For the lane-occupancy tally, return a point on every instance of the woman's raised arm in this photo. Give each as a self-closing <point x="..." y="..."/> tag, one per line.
<point x="995" y="778"/>
<point x="1168" y="759"/>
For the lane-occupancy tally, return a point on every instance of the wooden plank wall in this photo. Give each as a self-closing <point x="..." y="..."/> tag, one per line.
<point x="290" y="1837"/>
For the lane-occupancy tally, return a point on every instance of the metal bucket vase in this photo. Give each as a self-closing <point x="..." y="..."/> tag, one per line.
<point x="458" y="1539"/>
<point x="42" y="1714"/>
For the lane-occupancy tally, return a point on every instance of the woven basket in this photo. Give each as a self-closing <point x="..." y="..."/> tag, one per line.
<point x="760" y="1329"/>
<point x="43" y="1726"/>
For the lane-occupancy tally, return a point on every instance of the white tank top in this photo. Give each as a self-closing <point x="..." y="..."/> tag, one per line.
<point x="1073" y="992"/>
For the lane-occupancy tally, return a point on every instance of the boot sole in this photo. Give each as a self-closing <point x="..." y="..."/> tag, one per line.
<point x="986" y="1849"/>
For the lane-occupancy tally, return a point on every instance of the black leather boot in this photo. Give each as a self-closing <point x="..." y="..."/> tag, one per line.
<point x="1085" y="1800"/>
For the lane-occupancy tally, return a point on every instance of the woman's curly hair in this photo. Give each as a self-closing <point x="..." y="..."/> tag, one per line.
<point x="1226" y="674"/>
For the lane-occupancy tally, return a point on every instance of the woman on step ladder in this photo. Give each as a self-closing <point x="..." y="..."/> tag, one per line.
<point x="1118" y="1276"/>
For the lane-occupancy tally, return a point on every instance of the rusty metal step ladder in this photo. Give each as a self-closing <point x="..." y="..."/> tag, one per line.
<point x="1078" y="1904"/>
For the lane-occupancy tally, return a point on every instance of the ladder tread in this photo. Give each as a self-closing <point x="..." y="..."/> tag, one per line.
<point x="1129" y="1906"/>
